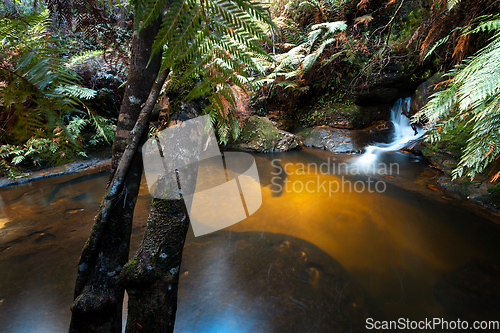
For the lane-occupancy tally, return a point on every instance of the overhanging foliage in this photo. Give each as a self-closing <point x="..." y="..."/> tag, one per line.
<point x="472" y="95"/>
<point x="214" y="40"/>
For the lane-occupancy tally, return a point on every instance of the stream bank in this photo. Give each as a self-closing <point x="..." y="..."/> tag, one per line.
<point x="83" y="167"/>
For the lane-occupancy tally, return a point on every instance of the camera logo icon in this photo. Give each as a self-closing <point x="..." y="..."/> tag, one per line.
<point x="184" y="161"/>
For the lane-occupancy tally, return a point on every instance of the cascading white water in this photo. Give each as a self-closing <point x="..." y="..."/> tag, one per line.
<point x="403" y="133"/>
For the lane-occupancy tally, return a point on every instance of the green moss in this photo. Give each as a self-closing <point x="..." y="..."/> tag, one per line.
<point x="328" y="110"/>
<point x="405" y="27"/>
<point x="464" y="185"/>
<point x="493" y="197"/>
<point x="128" y="268"/>
<point x="453" y="142"/>
<point x="261" y="130"/>
<point x="177" y="89"/>
<point x="357" y="118"/>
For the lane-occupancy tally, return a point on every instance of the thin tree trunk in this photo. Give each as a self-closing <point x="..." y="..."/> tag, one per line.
<point x="98" y="294"/>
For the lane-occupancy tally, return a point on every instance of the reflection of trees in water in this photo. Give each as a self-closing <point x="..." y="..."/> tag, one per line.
<point x="61" y="187"/>
<point x="270" y="174"/>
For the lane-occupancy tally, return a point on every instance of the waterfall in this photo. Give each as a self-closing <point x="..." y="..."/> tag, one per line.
<point x="403" y="133"/>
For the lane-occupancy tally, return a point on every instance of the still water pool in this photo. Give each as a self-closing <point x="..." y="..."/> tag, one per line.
<point x="309" y="260"/>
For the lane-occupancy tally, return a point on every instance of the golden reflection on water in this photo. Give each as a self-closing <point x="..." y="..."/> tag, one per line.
<point x="3" y="221"/>
<point x="349" y="225"/>
<point x="381" y="239"/>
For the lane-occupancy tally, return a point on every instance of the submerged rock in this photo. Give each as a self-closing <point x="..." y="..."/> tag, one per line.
<point x="343" y="140"/>
<point x="415" y="147"/>
<point x="266" y="282"/>
<point x="260" y="135"/>
<point x="475" y="190"/>
<point x="471" y="292"/>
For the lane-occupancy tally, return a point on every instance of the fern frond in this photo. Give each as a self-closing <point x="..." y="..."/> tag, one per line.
<point x="152" y="12"/>
<point x="487" y="23"/>
<point x="436" y="45"/>
<point x="76" y="91"/>
<point x="331" y="27"/>
<point x="84" y="57"/>
<point x="472" y="96"/>
<point x="40" y="91"/>
<point x="452" y="3"/>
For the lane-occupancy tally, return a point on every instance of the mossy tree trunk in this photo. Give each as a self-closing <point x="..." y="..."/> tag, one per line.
<point x="98" y="293"/>
<point x="152" y="276"/>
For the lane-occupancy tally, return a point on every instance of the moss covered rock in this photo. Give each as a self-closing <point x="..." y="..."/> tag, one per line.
<point x="260" y="135"/>
<point x="479" y="189"/>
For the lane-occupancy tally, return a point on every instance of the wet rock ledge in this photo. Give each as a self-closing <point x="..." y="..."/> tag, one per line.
<point x="339" y="140"/>
<point x="93" y="165"/>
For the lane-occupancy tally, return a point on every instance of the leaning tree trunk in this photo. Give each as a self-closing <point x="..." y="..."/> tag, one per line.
<point x="98" y="293"/>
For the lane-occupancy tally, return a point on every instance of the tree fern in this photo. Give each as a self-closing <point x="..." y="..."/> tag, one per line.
<point x="37" y="81"/>
<point x="214" y="39"/>
<point x="299" y="60"/>
<point x="472" y="95"/>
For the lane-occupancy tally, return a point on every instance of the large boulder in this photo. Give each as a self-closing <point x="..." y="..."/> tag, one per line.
<point x="260" y="135"/>
<point x="339" y="140"/>
<point x="390" y="86"/>
<point x="424" y="92"/>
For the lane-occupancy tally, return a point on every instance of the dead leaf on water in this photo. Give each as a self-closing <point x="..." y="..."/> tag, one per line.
<point x="432" y="187"/>
<point x="73" y="211"/>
